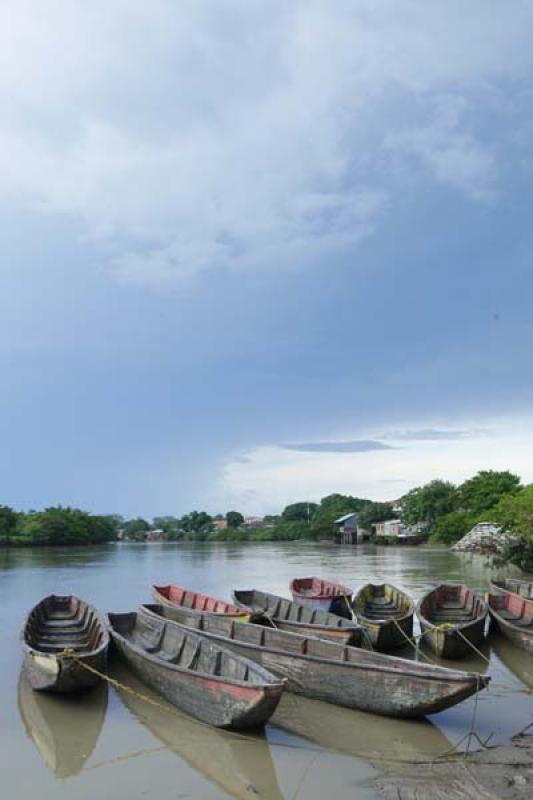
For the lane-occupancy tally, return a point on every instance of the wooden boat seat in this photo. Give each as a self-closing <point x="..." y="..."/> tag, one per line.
<point x="52" y="647"/>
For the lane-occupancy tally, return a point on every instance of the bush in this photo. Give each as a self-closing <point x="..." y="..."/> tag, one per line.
<point x="518" y="552"/>
<point x="452" y="527"/>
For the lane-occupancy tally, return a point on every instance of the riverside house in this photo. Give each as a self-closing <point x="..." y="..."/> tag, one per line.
<point x="348" y="531"/>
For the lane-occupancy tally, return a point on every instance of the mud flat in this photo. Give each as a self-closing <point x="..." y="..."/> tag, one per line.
<point x="499" y="773"/>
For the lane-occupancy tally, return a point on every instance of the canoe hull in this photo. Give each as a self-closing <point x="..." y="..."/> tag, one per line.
<point x="162" y="657"/>
<point x="510" y="614"/>
<point x="386" y="613"/>
<point x="389" y="635"/>
<point x="450" y="643"/>
<point x="65" y="643"/>
<point x="343" y="675"/>
<point x="452" y="619"/>
<point x="287" y="615"/>
<point x="323" y="595"/>
<point x="164" y="598"/>
<point x="48" y="673"/>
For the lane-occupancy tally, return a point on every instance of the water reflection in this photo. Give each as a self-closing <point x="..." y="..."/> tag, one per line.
<point x="358" y="734"/>
<point x="240" y="764"/>
<point x="63" y="728"/>
<point x="516" y="660"/>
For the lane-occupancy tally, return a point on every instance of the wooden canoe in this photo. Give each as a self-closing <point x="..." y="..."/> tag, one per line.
<point x="198" y="676"/>
<point x="451" y="618"/>
<point x="335" y="673"/>
<point x="321" y="594"/>
<point x="197" y="603"/>
<point x="522" y="588"/>
<point x="513" y="616"/>
<point x="57" y="624"/>
<point x="386" y="613"/>
<point x="288" y="615"/>
<point x="63" y="728"/>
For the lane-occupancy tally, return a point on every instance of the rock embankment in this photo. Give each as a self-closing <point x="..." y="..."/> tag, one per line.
<point x="485" y="538"/>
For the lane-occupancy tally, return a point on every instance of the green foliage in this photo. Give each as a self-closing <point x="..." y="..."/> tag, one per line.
<point x="135" y="528"/>
<point x="514" y="512"/>
<point x="331" y="508"/>
<point x="518" y="552"/>
<point x="170" y="526"/>
<point x="453" y="526"/>
<point x="234" y="519"/>
<point x="229" y="535"/>
<point x="196" y="522"/>
<point x="64" y="526"/>
<point x="299" y="512"/>
<point x="375" y="512"/>
<point x="426" y="503"/>
<point x="485" y="489"/>
<point x="283" y="532"/>
<point x="8" y="523"/>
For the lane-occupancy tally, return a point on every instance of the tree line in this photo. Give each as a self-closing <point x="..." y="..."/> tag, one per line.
<point x="443" y="511"/>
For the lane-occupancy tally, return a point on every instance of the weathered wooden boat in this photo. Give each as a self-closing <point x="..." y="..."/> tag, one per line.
<point x="321" y="594"/>
<point x="514" y="585"/>
<point x="239" y="766"/>
<point x="334" y="672"/>
<point x="64" y="638"/>
<point x="198" y="676"/>
<point x="288" y="615"/>
<point x="386" y="613"/>
<point x="513" y="617"/>
<point x="196" y="603"/>
<point x="63" y="728"/>
<point x="452" y="618"/>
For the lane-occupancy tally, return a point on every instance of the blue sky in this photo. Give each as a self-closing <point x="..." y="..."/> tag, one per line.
<point x="251" y="253"/>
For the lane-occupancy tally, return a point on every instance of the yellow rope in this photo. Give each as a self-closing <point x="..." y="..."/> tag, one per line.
<point x="354" y="619"/>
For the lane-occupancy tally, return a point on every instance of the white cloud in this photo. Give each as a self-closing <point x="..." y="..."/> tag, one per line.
<point x="240" y="134"/>
<point x="270" y="477"/>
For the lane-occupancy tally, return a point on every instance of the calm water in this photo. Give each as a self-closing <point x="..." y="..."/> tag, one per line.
<point x="115" y="745"/>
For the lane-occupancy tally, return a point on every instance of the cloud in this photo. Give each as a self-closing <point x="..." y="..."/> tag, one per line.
<point x="198" y="136"/>
<point x="433" y="434"/>
<point x="277" y="476"/>
<point x="358" y="446"/>
<point x="448" y="149"/>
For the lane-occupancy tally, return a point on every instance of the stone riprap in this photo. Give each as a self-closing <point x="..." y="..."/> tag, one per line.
<point x="485" y="538"/>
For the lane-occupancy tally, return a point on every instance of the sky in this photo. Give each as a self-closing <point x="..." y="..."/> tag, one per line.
<point x="253" y="253"/>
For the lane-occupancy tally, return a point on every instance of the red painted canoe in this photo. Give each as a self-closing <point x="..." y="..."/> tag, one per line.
<point x="197" y="603"/>
<point x="325" y="595"/>
<point x="513" y="616"/>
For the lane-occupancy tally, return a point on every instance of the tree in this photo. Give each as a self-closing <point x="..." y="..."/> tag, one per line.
<point x="136" y="528"/>
<point x="374" y="512"/>
<point x="484" y="490"/>
<point x="425" y="504"/>
<point x="234" y="519"/>
<point x="331" y="508"/>
<point x="514" y="512"/>
<point x="299" y="512"/>
<point x="8" y="523"/>
<point x="453" y="526"/>
<point x="64" y="526"/>
<point x="197" y="525"/>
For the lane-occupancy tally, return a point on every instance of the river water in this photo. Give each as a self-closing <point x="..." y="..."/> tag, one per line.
<point x="112" y="744"/>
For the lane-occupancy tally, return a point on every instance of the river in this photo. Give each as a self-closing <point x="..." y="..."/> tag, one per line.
<point x="115" y="745"/>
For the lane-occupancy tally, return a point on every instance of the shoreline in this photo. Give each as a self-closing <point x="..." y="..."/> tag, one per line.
<point x="502" y="772"/>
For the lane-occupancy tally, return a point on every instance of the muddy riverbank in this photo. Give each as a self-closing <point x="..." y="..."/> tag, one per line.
<point x="504" y="772"/>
